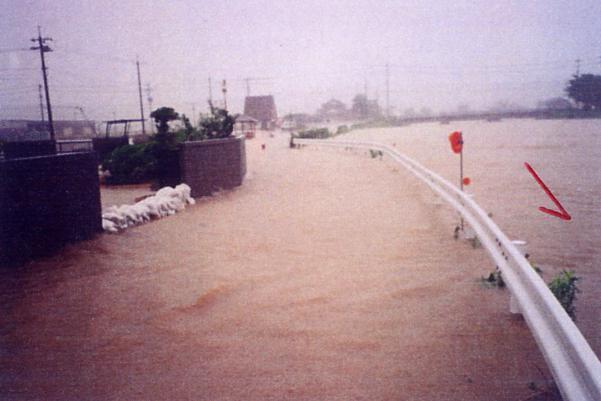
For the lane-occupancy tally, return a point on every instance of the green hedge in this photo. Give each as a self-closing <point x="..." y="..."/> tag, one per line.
<point x="316" y="133"/>
<point x="342" y="129"/>
<point x="132" y="164"/>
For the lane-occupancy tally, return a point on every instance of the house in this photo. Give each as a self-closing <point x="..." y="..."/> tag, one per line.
<point x="333" y="109"/>
<point x="245" y="125"/>
<point x="297" y="121"/>
<point x="261" y="108"/>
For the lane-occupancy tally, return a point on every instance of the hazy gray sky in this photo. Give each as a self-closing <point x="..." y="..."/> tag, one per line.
<point x="441" y="53"/>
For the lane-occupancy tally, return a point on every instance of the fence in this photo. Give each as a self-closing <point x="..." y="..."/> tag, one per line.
<point x="74" y="145"/>
<point x="575" y="367"/>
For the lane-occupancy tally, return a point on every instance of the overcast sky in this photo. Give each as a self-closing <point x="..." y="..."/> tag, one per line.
<point x="441" y="53"/>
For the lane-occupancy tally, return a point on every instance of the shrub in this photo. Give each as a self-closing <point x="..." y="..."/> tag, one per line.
<point x="219" y="124"/>
<point x="188" y="132"/>
<point x="132" y="164"/>
<point x="376" y="153"/>
<point x="342" y="129"/>
<point x="494" y="279"/>
<point x="563" y="286"/>
<point x="316" y="133"/>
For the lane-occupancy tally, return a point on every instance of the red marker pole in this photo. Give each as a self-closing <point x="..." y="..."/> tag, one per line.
<point x="461" y="169"/>
<point x="461" y="175"/>
<point x="456" y="140"/>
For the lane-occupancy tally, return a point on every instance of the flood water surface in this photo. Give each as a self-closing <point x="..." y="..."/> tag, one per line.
<point x="327" y="275"/>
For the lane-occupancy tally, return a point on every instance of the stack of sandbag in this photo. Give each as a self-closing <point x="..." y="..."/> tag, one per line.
<point x="165" y="202"/>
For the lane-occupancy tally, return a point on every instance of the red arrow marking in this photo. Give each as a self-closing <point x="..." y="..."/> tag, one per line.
<point x="562" y="214"/>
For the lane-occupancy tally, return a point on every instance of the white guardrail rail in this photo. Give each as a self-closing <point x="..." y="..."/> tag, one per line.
<point x="574" y="365"/>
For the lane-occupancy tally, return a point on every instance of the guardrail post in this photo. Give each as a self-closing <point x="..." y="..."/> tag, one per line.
<point x="521" y="246"/>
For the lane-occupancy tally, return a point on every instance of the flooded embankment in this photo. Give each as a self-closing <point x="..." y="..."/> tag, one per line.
<point x="567" y="156"/>
<point x="327" y="275"/>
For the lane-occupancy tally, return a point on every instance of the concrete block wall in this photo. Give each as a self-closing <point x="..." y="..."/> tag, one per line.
<point x="45" y="202"/>
<point x="13" y="150"/>
<point x="207" y="166"/>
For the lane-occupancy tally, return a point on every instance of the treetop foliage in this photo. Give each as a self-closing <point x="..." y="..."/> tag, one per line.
<point x="585" y="89"/>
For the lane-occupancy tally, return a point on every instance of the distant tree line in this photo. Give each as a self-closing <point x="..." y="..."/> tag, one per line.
<point x="585" y="90"/>
<point x="362" y="108"/>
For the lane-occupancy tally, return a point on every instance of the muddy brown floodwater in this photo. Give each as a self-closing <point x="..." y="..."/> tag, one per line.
<point x="327" y="275"/>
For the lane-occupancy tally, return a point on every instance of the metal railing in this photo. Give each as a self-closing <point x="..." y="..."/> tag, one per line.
<point x="74" y="145"/>
<point x="575" y="367"/>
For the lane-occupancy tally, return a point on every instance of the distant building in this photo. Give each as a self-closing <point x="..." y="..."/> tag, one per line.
<point x="296" y="121"/>
<point x="261" y="108"/>
<point x="246" y="126"/>
<point x="333" y="109"/>
<point x="23" y="130"/>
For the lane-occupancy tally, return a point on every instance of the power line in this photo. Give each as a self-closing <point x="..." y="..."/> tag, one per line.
<point x="100" y="56"/>
<point x="18" y="69"/>
<point x="19" y="49"/>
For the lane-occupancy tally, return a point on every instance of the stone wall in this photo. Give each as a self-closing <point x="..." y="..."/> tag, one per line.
<point x="207" y="166"/>
<point x="45" y="202"/>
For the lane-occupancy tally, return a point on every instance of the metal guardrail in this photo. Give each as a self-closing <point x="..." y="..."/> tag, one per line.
<point x="575" y="367"/>
<point x="74" y="145"/>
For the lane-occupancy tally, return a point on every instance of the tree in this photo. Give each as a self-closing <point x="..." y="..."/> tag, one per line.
<point x="333" y="108"/>
<point x="162" y="116"/>
<point x="360" y="106"/>
<point x="425" y="112"/>
<point x="585" y="89"/>
<point x="555" y="103"/>
<point x="219" y="124"/>
<point x="409" y="112"/>
<point x="165" y="150"/>
<point x="188" y="132"/>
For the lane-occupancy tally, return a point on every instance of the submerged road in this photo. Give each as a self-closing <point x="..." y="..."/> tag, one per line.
<point x="327" y="275"/>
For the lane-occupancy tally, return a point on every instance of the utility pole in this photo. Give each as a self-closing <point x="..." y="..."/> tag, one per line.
<point x="41" y="102"/>
<point x="224" y="90"/>
<point x="45" y="49"/>
<point x="140" y="93"/>
<point x="149" y="99"/>
<point x="210" y="91"/>
<point x="578" y="67"/>
<point x="387" y="90"/>
<point x="193" y="104"/>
